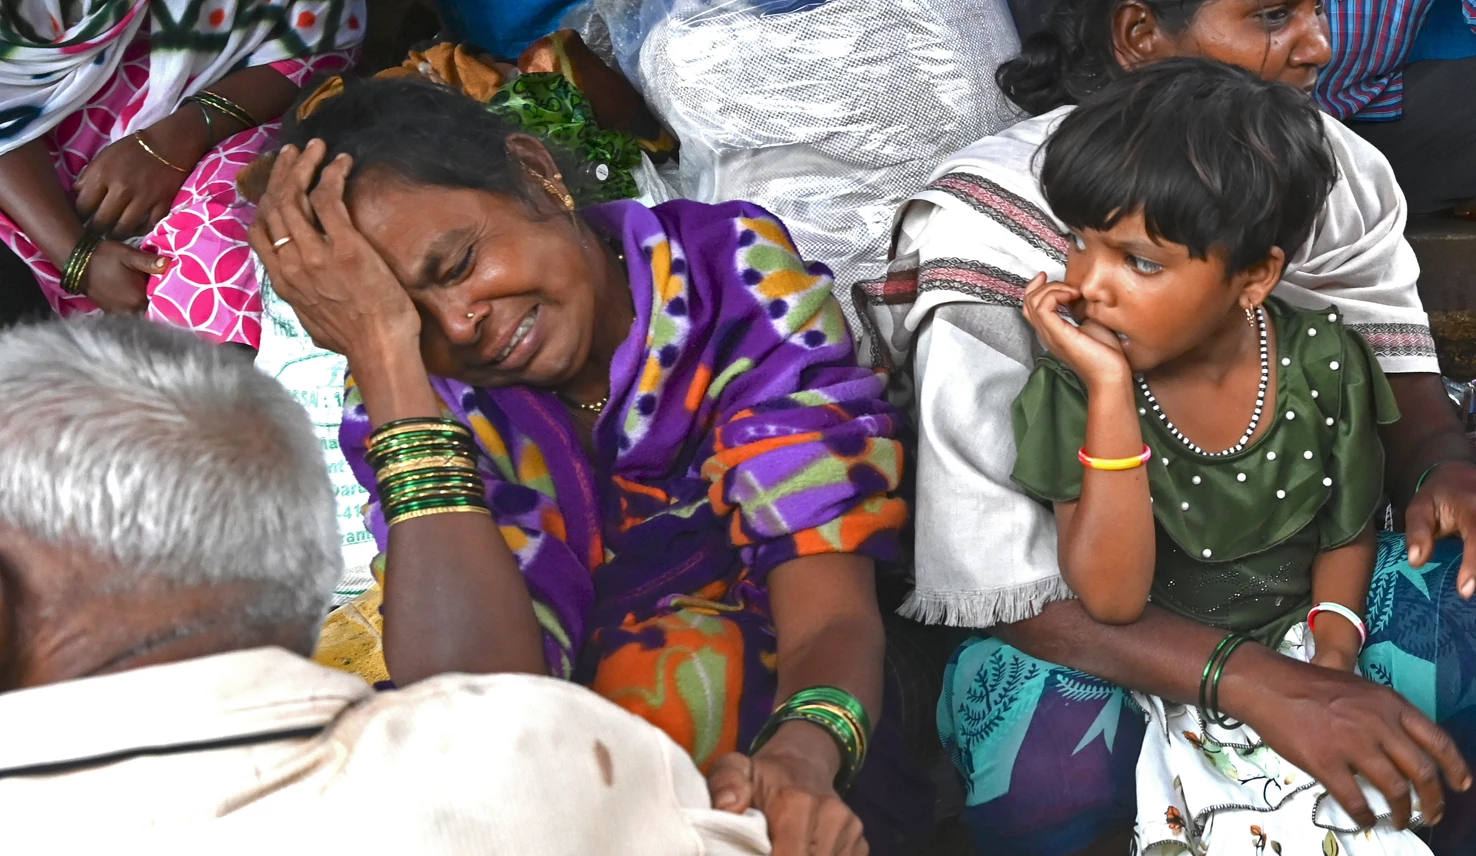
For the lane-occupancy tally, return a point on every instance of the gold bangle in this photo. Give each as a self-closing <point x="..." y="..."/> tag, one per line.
<point x="427" y="512"/>
<point x="76" y="266"/>
<point x="451" y="427"/>
<point x="227" y="106"/>
<point x="429" y="462"/>
<point x="138" y="136"/>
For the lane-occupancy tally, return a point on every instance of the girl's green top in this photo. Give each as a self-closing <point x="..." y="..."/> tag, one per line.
<point x="1236" y="535"/>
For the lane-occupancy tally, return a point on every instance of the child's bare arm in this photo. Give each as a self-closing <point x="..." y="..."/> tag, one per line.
<point x="1106" y="540"/>
<point x="1342" y="576"/>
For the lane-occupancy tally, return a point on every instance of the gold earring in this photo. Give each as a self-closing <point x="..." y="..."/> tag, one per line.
<point x="553" y="190"/>
<point x="1250" y="316"/>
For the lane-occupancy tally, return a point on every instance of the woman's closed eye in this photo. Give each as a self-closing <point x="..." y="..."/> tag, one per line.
<point x="459" y="272"/>
<point x="1144" y="266"/>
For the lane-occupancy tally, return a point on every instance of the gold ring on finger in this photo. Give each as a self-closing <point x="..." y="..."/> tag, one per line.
<point x="281" y="242"/>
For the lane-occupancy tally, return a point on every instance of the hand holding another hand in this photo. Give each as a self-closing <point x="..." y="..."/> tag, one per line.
<point x="796" y="793"/>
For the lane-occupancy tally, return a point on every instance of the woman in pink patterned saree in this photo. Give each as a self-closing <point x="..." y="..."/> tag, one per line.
<point x="123" y="125"/>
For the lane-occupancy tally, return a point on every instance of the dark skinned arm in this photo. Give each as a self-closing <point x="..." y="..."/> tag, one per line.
<point x="1106" y="539"/>
<point x="829" y="634"/>
<point x="1342" y="576"/>
<point x="1361" y="727"/>
<point x="455" y="600"/>
<point x="261" y="91"/>
<point x="32" y="197"/>
<point x="126" y="190"/>
<point x="454" y="597"/>
<point x="1428" y="434"/>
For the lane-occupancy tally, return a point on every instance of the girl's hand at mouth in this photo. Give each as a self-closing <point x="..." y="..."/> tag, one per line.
<point x="1094" y="352"/>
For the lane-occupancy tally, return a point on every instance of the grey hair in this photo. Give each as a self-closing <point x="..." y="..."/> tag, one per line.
<point x="168" y="459"/>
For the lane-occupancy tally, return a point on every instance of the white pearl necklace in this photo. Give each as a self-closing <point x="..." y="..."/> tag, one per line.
<point x="1255" y="416"/>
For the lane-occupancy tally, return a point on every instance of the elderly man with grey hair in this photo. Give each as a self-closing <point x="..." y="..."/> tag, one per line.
<point x="167" y="550"/>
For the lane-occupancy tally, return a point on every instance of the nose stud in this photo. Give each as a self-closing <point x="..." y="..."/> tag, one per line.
<point x="471" y="314"/>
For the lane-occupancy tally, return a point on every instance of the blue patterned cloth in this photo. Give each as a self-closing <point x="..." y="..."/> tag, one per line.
<point x="1048" y="753"/>
<point x="1371" y="42"/>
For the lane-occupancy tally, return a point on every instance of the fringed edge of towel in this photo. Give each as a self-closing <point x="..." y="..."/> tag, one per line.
<point x="984" y="609"/>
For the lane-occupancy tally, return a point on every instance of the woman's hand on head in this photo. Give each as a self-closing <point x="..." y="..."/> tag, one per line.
<point x="796" y="795"/>
<point x="344" y="293"/>
<point x="1091" y="350"/>
<point x="1445" y="506"/>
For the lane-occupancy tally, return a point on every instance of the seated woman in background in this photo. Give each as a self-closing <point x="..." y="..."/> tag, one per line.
<point x="1038" y="716"/>
<point x="688" y="477"/>
<point x="130" y="121"/>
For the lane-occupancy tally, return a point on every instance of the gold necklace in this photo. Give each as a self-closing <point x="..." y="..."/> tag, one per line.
<point x="595" y="407"/>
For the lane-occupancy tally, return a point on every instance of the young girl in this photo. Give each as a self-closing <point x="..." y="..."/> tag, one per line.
<point x="1206" y="445"/>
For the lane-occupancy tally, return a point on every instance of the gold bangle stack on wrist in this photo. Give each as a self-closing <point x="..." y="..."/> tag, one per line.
<point x="424" y="467"/>
<point x="76" y="266"/>
<point x="219" y="103"/>
<point x="837" y="712"/>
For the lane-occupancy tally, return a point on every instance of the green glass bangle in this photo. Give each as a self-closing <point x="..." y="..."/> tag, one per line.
<point x="402" y="497"/>
<point x="224" y="105"/>
<point x="837" y="697"/>
<point x="466" y="478"/>
<point x="409" y="432"/>
<point x="1209" y="688"/>
<point x="1209" y="668"/>
<point x="439" y="502"/>
<point x="1426" y="474"/>
<point x="407" y="494"/>
<point x="470" y="487"/>
<point x="400" y="453"/>
<point x="384" y="462"/>
<point x="435" y="497"/>
<point x="76" y="265"/>
<point x="837" y="712"/>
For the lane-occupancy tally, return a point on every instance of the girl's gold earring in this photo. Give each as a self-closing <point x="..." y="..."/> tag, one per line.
<point x="1250" y="316"/>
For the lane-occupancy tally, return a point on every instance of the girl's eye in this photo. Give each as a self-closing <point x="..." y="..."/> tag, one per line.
<point x="1144" y="266"/>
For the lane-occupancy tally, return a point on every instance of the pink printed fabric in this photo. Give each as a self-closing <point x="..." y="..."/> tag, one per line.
<point x="211" y="285"/>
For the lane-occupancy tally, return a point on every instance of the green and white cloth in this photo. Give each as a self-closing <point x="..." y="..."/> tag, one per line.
<point x="55" y="55"/>
<point x="315" y="378"/>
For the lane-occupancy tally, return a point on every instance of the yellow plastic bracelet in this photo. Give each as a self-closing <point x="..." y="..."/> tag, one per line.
<point x="1132" y="463"/>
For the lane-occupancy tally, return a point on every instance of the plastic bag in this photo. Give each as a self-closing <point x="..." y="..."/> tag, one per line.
<point x="830" y="113"/>
<point x="315" y="378"/>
